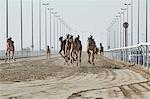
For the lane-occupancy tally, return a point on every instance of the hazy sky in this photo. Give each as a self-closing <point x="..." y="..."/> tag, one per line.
<point x="84" y="16"/>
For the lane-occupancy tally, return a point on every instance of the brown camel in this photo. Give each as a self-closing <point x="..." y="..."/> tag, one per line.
<point x="76" y="50"/>
<point x="10" y="49"/>
<point x="66" y="47"/>
<point x="91" y="49"/>
<point x="62" y="46"/>
<point x="96" y="52"/>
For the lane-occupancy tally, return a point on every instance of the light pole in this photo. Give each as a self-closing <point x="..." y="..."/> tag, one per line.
<point x="147" y="32"/>
<point x="32" y="46"/>
<point x="60" y="26"/>
<point x="45" y="4"/>
<point x="119" y="16"/>
<point x="6" y="19"/>
<point x="21" y="27"/>
<point x="138" y="21"/>
<point x="127" y="32"/>
<point x="123" y="28"/>
<point x="64" y="28"/>
<point x="50" y="18"/>
<point x="60" y="30"/>
<point x="40" y="26"/>
<point x="57" y="31"/>
<point x="146" y="20"/>
<point x="114" y="27"/>
<point x="111" y="32"/>
<point x="131" y="22"/>
<point x="54" y="29"/>
<point x="127" y="4"/>
<point x="108" y="35"/>
<point x="120" y="27"/>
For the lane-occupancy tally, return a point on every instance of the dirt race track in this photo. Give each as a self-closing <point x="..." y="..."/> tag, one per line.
<point x="51" y="79"/>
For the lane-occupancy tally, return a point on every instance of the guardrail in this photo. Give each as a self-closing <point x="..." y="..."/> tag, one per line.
<point x="138" y="54"/>
<point x="23" y="54"/>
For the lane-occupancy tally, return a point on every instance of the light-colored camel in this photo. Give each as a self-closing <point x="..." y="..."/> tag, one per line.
<point x="91" y="49"/>
<point x="76" y="50"/>
<point x="10" y="49"/>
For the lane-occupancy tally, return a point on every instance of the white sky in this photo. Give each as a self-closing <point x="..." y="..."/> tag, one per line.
<point x="81" y="15"/>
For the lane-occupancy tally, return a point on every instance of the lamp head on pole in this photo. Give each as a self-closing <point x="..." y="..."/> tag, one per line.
<point x="54" y="13"/>
<point x="127" y="4"/>
<point x="123" y="8"/>
<point x="50" y="9"/>
<point x="45" y="4"/>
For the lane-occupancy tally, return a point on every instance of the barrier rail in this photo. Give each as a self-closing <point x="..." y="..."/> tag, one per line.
<point x="22" y="54"/>
<point x="138" y="54"/>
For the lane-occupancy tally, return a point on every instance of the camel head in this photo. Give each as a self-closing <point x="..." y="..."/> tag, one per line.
<point x="60" y="38"/>
<point x="71" y="38"/>
<point x="78" y="36"/>
<point x="67" y="36"/>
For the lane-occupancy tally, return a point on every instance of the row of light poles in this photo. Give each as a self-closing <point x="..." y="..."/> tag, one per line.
<point x="60" y="28"/>
<point x="124" y="36"/>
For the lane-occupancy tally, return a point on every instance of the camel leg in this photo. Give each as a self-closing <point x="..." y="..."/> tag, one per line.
<point x="66" y="58"/>
<point x="88" y="56"/>
<point x="74" y="56"/>
<point x="13" y="56"/>
<point x="71" y="56"/>
<point x="6" y="56"/>
<point x="93" y="58"/>
<point x="80" y="58"/>
<point x="9" y="56"/>
<point x="61" y="53"/>
<point x="48" y="56"/>
<point x="77" y="58"/>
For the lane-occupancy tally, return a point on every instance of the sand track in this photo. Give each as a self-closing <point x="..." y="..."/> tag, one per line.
<point x="50" y="79"/>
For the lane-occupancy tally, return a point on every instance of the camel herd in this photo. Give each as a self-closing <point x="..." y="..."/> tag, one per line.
<point x="72" y="49"/>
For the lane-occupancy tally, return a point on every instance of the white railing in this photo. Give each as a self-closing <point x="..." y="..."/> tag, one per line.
<point x="137" y="54"/>
<point x="22" y="54"/>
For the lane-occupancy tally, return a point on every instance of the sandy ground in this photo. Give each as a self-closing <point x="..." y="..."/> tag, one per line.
<point x="50" y="79"/>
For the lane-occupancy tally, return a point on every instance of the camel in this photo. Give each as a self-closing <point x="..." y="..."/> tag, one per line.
<point x="48" y="52"/>
<point x="10" y="49"/>
<point x="96" y="52"/>
<point x="62" y="46"/>
<point x="65" y="46"/>
<point x="91" y="49"/>
<point x="76" y="49"/>
<point x="101" y="49"/>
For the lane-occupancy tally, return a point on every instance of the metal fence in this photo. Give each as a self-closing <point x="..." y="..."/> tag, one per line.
<point x="138" y="54"/>
<point x="23" y="54"/>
